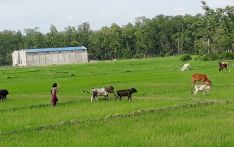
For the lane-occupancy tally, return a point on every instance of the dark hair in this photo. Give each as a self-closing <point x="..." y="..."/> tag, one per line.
<point x="54" y="85"/>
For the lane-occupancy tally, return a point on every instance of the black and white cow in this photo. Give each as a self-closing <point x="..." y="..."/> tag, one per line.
<point x="102" y="92"/>
<point x="3" y="94"/>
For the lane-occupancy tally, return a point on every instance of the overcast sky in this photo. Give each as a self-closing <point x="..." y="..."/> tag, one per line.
<point x="21" y="14"/>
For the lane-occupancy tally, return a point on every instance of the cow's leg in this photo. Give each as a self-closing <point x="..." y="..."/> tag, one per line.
<point x="107" y="96"/>
<point x="195" y="92"/>
<point x="130" y="97"/>
<point x="91" y="99"/>
<point x="192" y="91"/>
<point x="93" y="96"/>
<point x="116" y="97"/>
<point x="204" y="92"/>
<point x="225" y="66"/>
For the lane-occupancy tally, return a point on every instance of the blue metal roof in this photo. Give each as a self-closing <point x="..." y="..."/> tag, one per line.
<point x="55" y="49"/>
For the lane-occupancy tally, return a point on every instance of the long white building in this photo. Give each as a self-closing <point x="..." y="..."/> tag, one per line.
<point x="48" y="56"/>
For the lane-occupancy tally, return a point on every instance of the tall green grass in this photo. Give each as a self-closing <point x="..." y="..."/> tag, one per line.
<point x="195" y="126"/>
<point x="158" y="81"/>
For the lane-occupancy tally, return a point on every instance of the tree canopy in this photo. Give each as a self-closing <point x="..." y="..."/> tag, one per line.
<point x="211" y="32"/>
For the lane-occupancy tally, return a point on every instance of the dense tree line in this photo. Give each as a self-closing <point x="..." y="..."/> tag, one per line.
<point x="211" y="32"/>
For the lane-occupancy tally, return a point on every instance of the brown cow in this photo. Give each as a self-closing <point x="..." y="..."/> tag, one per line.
<point x="223" y="65"/>
<point x="201" y="77"/>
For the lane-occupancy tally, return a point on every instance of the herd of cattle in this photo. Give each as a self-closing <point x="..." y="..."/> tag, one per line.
<point x="205" y="87"/>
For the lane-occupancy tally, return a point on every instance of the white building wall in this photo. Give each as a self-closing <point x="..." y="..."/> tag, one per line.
<point x="61" y="58"/>
<point x="84" y="56"/>
<point x="66" y="57"/>
<point x="48" y="60"/>
<point x="15" y="59"/>
<point x="42" y="59"/>
<point x="23" y="58"/>
<point x="54" y="58"/>
<point x="29" y="59"/>
<point x="19" y="58"/>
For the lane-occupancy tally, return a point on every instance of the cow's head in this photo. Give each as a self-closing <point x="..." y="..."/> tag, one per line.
<point x="133" y="90"/>
<point x="110" y="89"/>
<point x="207" y="82"/>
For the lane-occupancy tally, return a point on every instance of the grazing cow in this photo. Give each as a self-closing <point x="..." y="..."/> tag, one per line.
<point x="126" y="92"/>
<point x="3" y="94"/>
<point x="185" y="67"/>
<point x="223" y="65"/>
<point x="201" y="77"/>
<point x="201" y="88"/>
<point x="101" y="92"/>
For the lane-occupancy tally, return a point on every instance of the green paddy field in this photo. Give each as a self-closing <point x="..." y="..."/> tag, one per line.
<point x="162" y="113"/>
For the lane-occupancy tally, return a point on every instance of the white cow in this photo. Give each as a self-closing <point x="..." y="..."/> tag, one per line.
<point x="201" y="88"/>
<point x="185" y="67"/>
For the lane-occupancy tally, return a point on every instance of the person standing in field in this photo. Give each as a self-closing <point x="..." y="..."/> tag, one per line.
<point x="53" y="92"/>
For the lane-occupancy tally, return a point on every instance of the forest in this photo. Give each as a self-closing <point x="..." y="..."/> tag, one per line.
<point x="209" y="33"/>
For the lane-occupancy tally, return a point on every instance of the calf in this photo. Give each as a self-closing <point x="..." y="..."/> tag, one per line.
<point x="3" y="94"/>
<point x="201" y="88"/>
<point x="101" y="92"/>
<point x="126" y="92"/>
